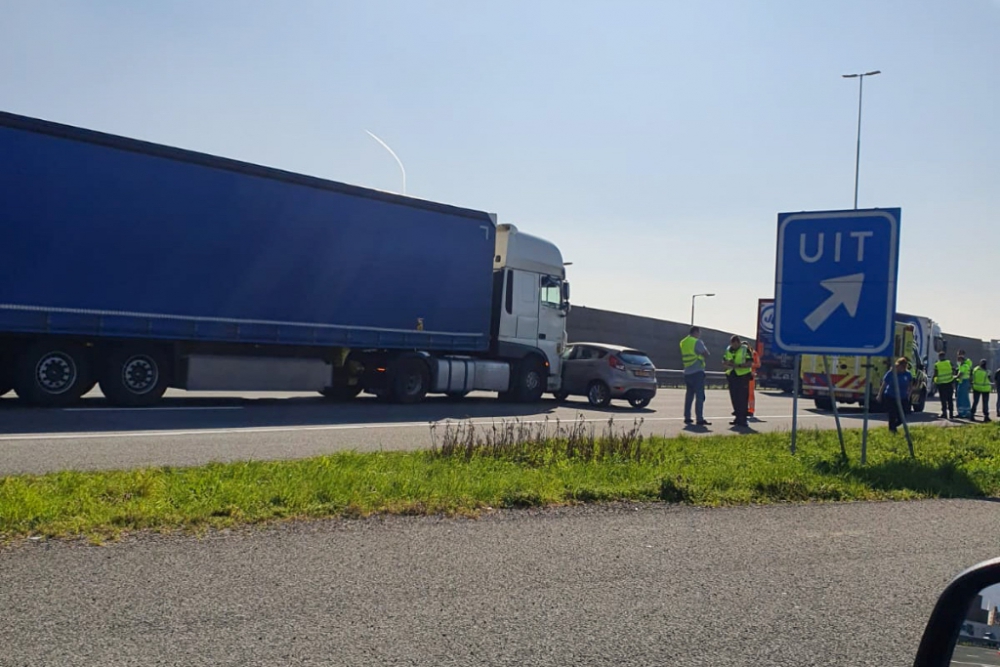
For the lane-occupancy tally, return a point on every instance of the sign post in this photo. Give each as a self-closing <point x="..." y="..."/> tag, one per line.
<point x="835" y="285"/>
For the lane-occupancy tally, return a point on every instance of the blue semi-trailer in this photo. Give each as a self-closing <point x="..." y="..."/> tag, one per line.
<point x="139" y="267"/>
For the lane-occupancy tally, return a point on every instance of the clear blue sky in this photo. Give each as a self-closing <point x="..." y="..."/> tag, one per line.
<point x="654" y="141"/>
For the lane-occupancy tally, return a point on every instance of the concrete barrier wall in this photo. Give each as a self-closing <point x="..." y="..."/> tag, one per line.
<point x="976" y="349"/>
<point x="660" y="339"/>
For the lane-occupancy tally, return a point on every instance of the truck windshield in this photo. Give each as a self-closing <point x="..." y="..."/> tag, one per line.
<point x="551" y="292"/>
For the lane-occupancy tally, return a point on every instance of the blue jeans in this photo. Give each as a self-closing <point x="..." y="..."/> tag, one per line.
<point x="695" y="384"/>
<point x="963" y="402"/>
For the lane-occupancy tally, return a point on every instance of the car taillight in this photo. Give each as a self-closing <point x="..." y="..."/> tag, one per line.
<point x="616" y="363"/>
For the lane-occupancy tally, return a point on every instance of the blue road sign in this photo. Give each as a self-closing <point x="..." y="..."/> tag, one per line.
<point x="835" y="281"/>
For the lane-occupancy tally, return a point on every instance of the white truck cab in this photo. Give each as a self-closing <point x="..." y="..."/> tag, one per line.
<point x="534" y="298"/>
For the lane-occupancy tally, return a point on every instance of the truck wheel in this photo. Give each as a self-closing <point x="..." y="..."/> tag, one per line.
<point x="342" y="392"/>
<point x="410" y="381"/>
<point x="134" y="377"/>
<point x="598" y="394"/>
<point x="561" y="396"/>
<point x="52" y="374"/>
<point x="530" y="381"/>
<point x="823" y="404"/>
<point x="921" y="402"/>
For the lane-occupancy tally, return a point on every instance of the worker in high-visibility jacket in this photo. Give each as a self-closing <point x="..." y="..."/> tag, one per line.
<point x="738" y="363"/>
<point x="963" y="382"/>
<point x="944" y="378"/>
<point x="981" y="389"/>
<point x="693" y="355"/>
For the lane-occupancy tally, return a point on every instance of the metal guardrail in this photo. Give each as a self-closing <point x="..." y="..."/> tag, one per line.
<point x="672" y="378"/>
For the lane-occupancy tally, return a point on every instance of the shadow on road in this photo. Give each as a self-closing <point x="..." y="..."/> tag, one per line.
<point x="179" y="413"/>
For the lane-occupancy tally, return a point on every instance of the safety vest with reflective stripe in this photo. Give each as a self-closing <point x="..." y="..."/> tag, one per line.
<point x="943" y="373"/>
<point x="688" y="356"/>
<point x="965" y="369"/>
<point x="729" y="355"/>
<point x="741" y="357"/>
<point x="981" y="380"/>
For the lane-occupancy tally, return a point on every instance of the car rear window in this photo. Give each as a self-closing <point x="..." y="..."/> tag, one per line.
<point x="635" y="357"/>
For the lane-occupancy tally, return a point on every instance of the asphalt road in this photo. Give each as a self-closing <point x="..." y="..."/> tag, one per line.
<point x="192" y="429"/>
<point x="835" y="584"/>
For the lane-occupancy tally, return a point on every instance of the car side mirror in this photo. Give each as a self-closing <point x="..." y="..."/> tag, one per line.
<point x="959" y="631"/>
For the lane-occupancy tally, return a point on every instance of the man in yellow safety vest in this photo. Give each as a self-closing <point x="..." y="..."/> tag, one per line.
<point x="693" y="354"/>
<point x="981" y="388"/>
<point x="738" y="362"/>
<point x="944" y="378"/>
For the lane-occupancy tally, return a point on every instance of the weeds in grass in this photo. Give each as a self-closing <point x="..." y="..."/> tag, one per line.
<point x="539" y="443"/>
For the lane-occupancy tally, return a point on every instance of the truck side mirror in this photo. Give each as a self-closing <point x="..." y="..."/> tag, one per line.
<point x="565" y="293"/>
<point x="956" y="633"/>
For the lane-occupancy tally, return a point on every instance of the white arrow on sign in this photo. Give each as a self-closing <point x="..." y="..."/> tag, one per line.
<point x="844" y="291"/>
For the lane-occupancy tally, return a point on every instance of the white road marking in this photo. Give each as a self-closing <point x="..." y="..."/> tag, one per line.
<point x="92" y="435"/>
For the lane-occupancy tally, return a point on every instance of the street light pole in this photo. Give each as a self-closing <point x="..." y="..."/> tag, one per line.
<point x="868" y="360"/>
<point x="857" y="158"/>
<point x="693" y="297"/>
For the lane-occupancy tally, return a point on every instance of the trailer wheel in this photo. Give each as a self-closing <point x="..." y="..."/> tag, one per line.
<point x="6" y="379"/>
<point x="410" y="380"/>
<point x="52" y="374"/>
<point x="530" y="380"/>
<point x="342" y="392"/>
<point x="134" y="377"/>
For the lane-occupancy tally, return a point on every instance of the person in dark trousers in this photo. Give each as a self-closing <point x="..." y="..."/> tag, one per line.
<point x="738" y="362"/>
<point x="887" y="392"/>
<point x="996" y="383"/>
<point x="944" y="378"/>
<point x="693" y="354"/>
<point x="981" y="389"/>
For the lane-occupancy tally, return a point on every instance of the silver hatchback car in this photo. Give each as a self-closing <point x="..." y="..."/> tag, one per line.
<point x="603" y="372"/>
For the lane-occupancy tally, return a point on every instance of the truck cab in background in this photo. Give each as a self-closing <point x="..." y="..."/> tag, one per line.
<point x="929" y="340"/>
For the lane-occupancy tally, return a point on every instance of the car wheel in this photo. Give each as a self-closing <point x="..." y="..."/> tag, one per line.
<point x="598" y="394"/>
<point x="52" y="374"/>
<point x="639" y="403"/>
<point x="134" y="377"/>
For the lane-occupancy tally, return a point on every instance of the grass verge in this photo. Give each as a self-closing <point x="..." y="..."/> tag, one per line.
<point x="507" y="465"/>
